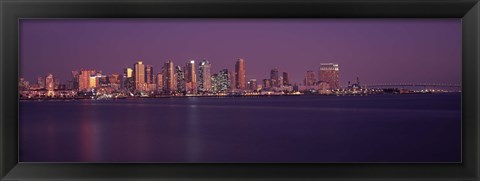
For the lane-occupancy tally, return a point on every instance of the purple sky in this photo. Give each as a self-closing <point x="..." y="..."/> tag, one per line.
<point x="376" y="50"/>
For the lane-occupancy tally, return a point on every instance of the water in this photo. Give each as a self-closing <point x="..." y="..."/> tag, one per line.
<point x="382" y="128"/>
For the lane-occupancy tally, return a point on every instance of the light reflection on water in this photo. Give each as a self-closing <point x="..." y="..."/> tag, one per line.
<point x="412" y="128"/>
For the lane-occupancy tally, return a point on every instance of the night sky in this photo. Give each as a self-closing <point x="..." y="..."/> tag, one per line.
<point x="376" y="50"/>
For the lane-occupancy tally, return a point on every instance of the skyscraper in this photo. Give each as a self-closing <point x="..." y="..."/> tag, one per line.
<point x="329" y="73"/>
<point x="128" y="82"/>
<point x="41" y="82"/>
<point x="204" y="76"/>
<point x="310" y="78"/>
<point x="84" y="79"/>
<point x="169" y="80"/>
<point x="190" y="77"/>
<point x="267" y="84"/>
<point x="160" y="82"/>
<point x="274" y="78"/>
<point x="139" y="76"/>
<point x="50" y="84"/>
<point x="180" y="75"/>
<point x="240" y="74"/>
<point x="149" y="74"/>
<point x="252" y="84"/>
<point x="75" y="75"/>
<point x="286" y="80"/>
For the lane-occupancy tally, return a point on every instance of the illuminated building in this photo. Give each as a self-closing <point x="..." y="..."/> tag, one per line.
<point x="169" y="80"/>
<point x="190" y="77"/>
<point x="252" y="84"/>
<point x="329" y="73"/>
<point x="75" y="76"/>
<point x="92" y="81"/>
<point x="50" y="85"/>
<point x="149" y="74"/>
<point x="41" y="82"/>
<point x="204" y="77"/>
<point x="240" y="74"/>
<point x="267" y="84"/>
<point x="274" y="78"/>
<point x="309" y="78"/>
<point x="180" y="75"/>
<point x="160" y="82"/>
<point x="84" y="79"/>
<point x="114" y="79"/>
<point x="139" y="75"/>
<point x="221" y="82"/>
<point x="128" y="82"/>
<point x="286" y="80"/>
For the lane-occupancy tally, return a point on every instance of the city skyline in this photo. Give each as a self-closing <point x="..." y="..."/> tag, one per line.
<point x="440" y="59"/>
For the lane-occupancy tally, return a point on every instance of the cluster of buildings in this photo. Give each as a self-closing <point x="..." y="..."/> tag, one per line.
<point x="176" y="80"/>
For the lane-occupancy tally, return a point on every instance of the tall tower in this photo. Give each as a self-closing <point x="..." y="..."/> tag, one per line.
<point x="128" y="82"/>
<point x="240" y="77"/>
<point x="84" y="79"/>
<point x="329" y="73"/>
<point x="274" y="78"/>
<point x="149" y="78"/>
<point x="204" y="76"/>
<point x="310" y="78"/>
<point x="169" y="80"/>
<point x="190" y="77"/>
<point x="139" y="75"/>
<point x="180" y="76"/>
<point x="50" y="84"/>
<point x="286" y="80"/>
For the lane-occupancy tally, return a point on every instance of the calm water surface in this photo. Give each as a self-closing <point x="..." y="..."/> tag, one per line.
<point x="384" y="128"/>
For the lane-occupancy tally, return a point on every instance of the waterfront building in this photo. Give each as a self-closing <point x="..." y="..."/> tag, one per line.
<point x="310" y="78"/>
<point x="180" y="75"/>
<point x="240" y="74"/>
<point x="160" y="82"/>
<point x="84" y="79"/>
<point x="286" y="80"/>
<point x="50" y="85"/>
<point x="41" y="82"/>
<point x="139" y="75"/>
<point x="93" y="81"/>
<point x="267" y="84"/>
<point x="224" y="79"/>
<point x="74" y="82"/>
<point x="149" y="74"/>
<point x="204" y="76"/>
<point x="252" y="84"/>
<point x="329" y="73"/>
<point x="215" y="83"/>
<point x="128" y="82"/>
<point x="190" y="77"/>
<point x="274" y="78"/>
<point x="169" y="81"/>
<point x="23" y="85"/>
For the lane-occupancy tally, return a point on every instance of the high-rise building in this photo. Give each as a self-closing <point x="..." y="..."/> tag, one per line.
<point x="114" y="79"/>
<point x="190" y="77"/>
<point x="274" y="78"/>
<point x="267" y="84"/>
<point x="160" y="82"/>
<point x="139" y="76"/>
<point x="75" y="76"/>
<point x="221" y="82"/>
<point x="84" y="79"/>
<point x="149" y="74"/>
<point x="286" y="80"/>
<point x="169" y="80"/>
<point x="310" y="78"/>
<point x="128" y="82"/>
<point x="252" y="84"/>
<point x="240" y="74"/>
<point x="204" y="76"/>
<point x="329" y="73"/>
<point x="93" y="81"/>
<point x="41" y="82"/>
<point x="50" y="84"/>
<point x="180" y="75"/>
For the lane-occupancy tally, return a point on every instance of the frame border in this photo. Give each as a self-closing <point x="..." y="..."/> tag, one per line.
<point x="12" y="10"/>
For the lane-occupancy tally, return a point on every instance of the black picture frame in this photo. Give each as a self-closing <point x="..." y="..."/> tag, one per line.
<point x="12" y="10"/>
